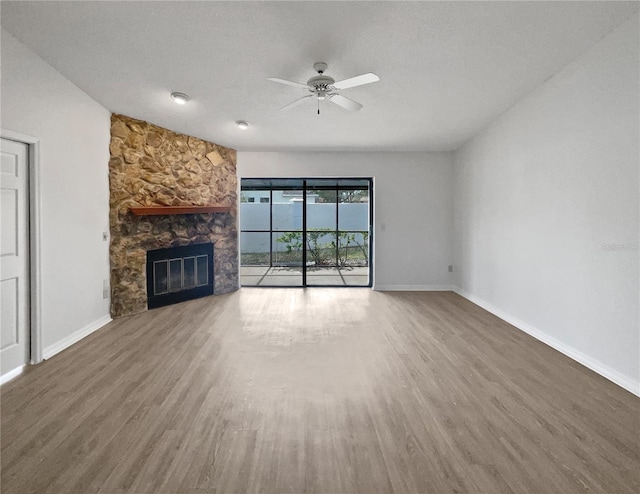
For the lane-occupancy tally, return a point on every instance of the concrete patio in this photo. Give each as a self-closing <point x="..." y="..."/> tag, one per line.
<point x="292" y="276"/>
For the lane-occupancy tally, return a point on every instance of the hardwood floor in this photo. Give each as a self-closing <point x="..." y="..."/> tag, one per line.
<point x="317" y="390"/>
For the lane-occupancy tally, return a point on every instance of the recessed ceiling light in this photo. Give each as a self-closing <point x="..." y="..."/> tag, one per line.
<point x="242" y="124"/>
<point x="180" y="98"/>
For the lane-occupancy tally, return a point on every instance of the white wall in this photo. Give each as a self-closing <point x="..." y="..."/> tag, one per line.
<point x="74" y="153"/>
<point x="412" y="207"/>
<point x="547" y="211"/>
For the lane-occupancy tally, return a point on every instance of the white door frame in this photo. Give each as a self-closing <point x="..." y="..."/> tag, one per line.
<point x="35" y="265"/>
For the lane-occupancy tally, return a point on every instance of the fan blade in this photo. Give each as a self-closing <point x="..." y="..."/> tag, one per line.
<point x="295" y="103"/>
<point x="347" y="103"/>
<point x="356" y="81"/>
<point x="288" y="83"/>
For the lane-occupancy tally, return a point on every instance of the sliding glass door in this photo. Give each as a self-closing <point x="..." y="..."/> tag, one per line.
<point x="305" y="232"/>
<point x="337" y="235"/>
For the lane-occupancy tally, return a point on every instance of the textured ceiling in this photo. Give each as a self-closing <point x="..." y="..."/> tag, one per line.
<point x="447" y="68"/>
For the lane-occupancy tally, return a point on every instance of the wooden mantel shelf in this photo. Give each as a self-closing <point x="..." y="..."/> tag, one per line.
<point x="168" y="210"/>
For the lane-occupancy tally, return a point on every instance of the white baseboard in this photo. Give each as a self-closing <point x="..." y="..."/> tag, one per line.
<point x="413" y="288"/>
<point x="6" y="377"/>
<point x="595" y="365"/>
<point x="51" y="350"/>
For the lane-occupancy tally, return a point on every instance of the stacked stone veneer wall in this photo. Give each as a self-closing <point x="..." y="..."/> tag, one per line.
<point x="152" y="166"/>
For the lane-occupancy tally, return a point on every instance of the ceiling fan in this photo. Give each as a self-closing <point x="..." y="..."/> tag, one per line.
<point x="322" y="87"/>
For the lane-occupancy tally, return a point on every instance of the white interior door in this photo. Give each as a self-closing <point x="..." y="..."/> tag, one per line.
<point x="14" y="249"/>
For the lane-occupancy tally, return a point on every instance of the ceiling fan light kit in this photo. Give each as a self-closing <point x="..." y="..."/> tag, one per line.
<point x="323" y="87"/>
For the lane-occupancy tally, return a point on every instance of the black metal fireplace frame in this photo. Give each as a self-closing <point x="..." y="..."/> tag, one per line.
<point x="154" y="301"/>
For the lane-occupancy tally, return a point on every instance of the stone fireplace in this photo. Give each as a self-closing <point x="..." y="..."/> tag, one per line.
<point x="155" y="167"/>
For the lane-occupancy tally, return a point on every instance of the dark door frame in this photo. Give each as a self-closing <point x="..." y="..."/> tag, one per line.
<point x="268" y="184"/>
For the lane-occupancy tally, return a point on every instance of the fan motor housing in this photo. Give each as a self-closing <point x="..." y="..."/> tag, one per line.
<point x="321" y="82"/>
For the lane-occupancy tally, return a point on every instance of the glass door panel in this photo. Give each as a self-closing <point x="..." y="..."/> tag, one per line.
<point x="255" y="215"/>
<point x="255" y="257"/>
<point x="287" y="239"/>
<point x="286" y="260"/>
<point x="286" y="210"/>
<point x="322" y="262"/>
<point x="321" y="240"/>
<point x="316" y="232"/>
<point x="353" y="234"/>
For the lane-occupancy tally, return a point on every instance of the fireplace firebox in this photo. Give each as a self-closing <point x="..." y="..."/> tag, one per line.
<point x="178" y="274"/>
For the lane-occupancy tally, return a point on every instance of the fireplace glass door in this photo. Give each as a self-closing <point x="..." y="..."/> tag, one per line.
<point x="177" y="274"/>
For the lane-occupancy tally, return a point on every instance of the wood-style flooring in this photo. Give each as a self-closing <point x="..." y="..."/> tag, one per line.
<point x="318" y="390"/>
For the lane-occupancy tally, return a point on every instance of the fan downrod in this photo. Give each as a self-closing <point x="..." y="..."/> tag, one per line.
<point x="320" y="67"/>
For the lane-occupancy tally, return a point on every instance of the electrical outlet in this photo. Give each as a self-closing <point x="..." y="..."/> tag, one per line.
<point x="105" y="288"/>
<point x="450" y="268"/>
